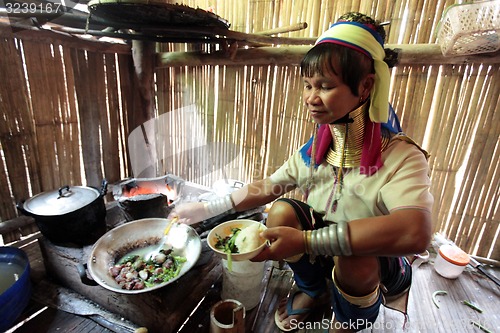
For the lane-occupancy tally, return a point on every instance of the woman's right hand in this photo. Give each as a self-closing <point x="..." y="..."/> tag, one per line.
<point x="285" y="242"/>
<point x="191" y="212"/>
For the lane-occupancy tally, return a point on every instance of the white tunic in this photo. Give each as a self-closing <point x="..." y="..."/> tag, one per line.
<point x="402" y="182"/>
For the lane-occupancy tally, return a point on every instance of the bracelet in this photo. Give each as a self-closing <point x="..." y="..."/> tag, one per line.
<point x="232" y="202"/>
<point x="325" y="240"/>
<point x="334" y="246"/>
<point x="330" y="241"/>
<point x="220" y="205"/>
<point x="308" y="238"/>
<point x="343" y="238"/>
<point x="306" y="243"/>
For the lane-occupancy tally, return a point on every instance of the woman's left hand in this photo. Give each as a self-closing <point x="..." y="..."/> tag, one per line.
<point x="285" y="243"/>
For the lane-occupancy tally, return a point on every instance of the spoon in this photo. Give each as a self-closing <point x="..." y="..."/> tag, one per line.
<point x="162" y="241"/>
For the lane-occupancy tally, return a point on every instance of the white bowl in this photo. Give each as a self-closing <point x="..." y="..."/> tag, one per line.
<point x="450" y="261"/>
<point x="224" y="230"/>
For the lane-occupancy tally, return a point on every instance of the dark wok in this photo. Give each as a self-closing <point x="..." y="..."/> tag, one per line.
<point x="138" y="234"/>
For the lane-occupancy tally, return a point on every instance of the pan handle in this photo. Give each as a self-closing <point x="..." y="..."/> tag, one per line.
<point x="65" y="187"/>
<point x="20" y="207"/>
<point x="82" y="271"/>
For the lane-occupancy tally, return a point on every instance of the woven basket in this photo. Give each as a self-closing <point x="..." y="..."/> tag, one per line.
<point x="153" y="13"/>
<point x="470" y="28"/>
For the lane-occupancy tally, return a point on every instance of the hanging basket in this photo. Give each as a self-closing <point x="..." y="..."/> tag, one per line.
<point x="470" y="28"/>
<point x="154" y="14"/>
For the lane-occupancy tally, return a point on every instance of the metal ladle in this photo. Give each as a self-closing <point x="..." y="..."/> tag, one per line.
<point x="162" y="241"/>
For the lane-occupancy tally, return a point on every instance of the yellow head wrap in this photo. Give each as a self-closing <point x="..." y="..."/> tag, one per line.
<point x="363" y="39"/>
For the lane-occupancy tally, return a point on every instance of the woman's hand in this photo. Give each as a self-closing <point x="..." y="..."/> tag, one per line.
<point x="190" y="213"/>
<point x="285" y="242"/>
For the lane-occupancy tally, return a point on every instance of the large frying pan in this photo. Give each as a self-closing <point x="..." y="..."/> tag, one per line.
<point x="137" y="234"/>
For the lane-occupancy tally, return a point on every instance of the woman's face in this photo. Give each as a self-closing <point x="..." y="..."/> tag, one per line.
<point x="327" y="98"/>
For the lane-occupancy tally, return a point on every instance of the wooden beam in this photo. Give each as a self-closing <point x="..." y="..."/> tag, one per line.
<point x="143" y="56"/>
<point x="34" y="34"/>
<point x="409" y="54"/>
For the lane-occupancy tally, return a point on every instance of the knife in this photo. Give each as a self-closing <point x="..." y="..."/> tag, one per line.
<point x="480" y="267"/>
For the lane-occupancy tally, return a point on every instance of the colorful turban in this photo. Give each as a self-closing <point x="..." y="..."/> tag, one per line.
<point x="361" y="38"/>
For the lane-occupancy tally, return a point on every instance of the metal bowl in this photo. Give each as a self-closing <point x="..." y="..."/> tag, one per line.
<point x="121" y="240"/>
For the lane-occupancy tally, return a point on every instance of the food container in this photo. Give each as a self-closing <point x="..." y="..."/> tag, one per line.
<point x="15" y="285"/>
<point x="450" y="261"/>
<point x="71" y="214"/>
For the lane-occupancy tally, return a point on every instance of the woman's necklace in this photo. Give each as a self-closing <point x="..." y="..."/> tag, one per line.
<point x="338" y="174"/>
<point x="336" y="192"/>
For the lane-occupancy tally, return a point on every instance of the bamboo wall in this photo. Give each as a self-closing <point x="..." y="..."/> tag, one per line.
<point x="450" y="109"/>
<point x="61" y="120"/>
<point x="242" y="122"/>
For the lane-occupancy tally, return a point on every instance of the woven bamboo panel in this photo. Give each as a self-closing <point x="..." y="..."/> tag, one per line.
<point x="62" y="126"/>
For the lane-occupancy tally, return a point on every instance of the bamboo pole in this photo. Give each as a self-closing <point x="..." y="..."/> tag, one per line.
<point x="436" y="18"/>
<point x="403" y="105"/>
<point x="479" y="166"/>
<point x="89" y="69"/>
<point x="284" y="29"/>
<point x="414" y="13"/>
<point x="396" y="21"/>
<point x="438" y="174"/>
<point x="325" y="9"/>
<point x="466" y="187"/>
<point x="418" y="117"/>
<point x="449" y="161"/>
<point x="428" y="103"/>
<point x="421" y="54"/>
<point x="43" y="112"/>
<point x="492" y="182"/>
<point x="110" y="135"/>
<point x="15" y="132"/>
<point x="426" y="30"/>
<point x="308" y="13"/>
<point x="57" y="95"/>
<point x="71" y="116"/>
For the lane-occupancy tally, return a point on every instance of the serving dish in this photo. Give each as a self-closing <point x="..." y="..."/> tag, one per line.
<point x="225" y="229"/>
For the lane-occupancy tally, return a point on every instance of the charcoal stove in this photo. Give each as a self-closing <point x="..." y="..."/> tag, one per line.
<point x="148" y="197"/>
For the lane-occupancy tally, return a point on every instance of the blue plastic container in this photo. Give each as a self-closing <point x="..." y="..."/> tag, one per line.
<point x="15" y="298"/>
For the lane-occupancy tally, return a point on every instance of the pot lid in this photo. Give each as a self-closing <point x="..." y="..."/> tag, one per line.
<point x="454" y="255"/>
<point x="58" y="202"/>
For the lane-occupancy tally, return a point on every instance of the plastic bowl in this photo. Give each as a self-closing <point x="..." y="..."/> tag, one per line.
<point x="450" y="261"/>
<point x="16" y="285"/>
<point x="224" y="230"/>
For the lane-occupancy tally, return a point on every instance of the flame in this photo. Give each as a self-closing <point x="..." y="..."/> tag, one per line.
<point x="148" y="188"/>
